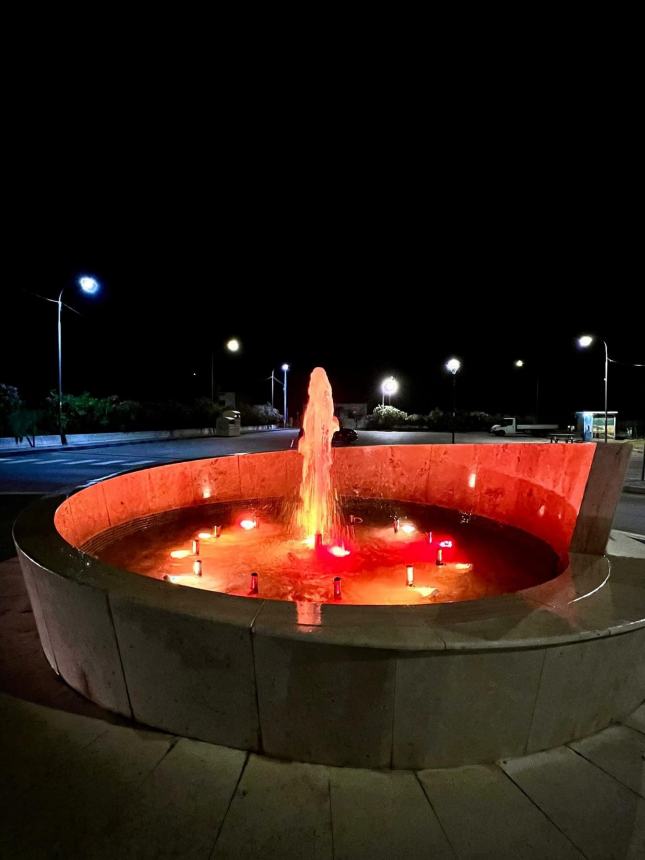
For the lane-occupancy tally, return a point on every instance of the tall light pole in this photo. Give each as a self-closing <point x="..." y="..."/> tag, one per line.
<point x="585" y="341"/>
<point x="452" y="366"/>
<point x="90" y="286"/>
<point x="285" y="368"/>
<point x="389" y="386"/>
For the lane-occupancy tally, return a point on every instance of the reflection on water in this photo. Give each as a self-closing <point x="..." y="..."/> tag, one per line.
<point x="454" y="557"/>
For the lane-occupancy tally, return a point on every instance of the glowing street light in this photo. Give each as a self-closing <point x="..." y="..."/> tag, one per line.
<point x="586" y="341"/>
<point x="389" y="386"/>
<point x="453" y="366"/>
<point x="232" y="345"/>
<point x="520" y="364"/>
<point x="90" y="286"/>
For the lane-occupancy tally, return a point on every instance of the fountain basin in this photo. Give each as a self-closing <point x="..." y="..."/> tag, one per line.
<point x="375" y="686"/>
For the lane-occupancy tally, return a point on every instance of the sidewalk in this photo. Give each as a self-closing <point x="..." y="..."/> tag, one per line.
<point x="77" y="787"/>
<point x="79" y="782"/>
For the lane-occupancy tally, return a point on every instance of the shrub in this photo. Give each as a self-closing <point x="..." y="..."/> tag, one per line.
<point x="385" y="418"/>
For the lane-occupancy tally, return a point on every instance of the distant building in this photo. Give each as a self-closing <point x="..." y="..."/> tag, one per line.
<point x="351" y="415"/>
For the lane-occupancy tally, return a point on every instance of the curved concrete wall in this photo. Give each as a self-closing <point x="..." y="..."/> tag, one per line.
<point x="351" y="685"/>
<point x="538" y="488"/>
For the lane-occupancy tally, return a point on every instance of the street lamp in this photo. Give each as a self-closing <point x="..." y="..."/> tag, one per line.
<point x="585" y="341"/>
<point x="452" y="366"/>
<point x="520" y="364"/>
<point x="90" y="286"/>
<point x="232" y="345"/>
<point x="389" y="386"/>
<point x="285" y="368"/>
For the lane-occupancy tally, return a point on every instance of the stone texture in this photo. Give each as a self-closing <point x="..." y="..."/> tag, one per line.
<point x="264" y="476"/>
<point x="325" y="703"/>
<point x="81" y="635"/>
<point x="463" y="708"/>
<point x="587" y="685"/>
<point x="36" y="741"/>
<point x="66" y="814"/>
<point x="601" y="495"/>
<point x="383" y="815"/>
<point x="373" y="627"/>
<point x="279" y="810"/>
<point x="636" y="720"/>
<point x="178" y="809"/>
<point x="599" y="815"/>
<point x="189" y="668"/>
<point x="620" y="752"/>
<point x="30" y="573"/>
<point x="484" y="814"/>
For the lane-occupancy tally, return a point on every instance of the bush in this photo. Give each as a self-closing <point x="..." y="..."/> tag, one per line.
<point x="9" y="403"/>
<point x="261" y="416"/>
<point x="385" y="418"/>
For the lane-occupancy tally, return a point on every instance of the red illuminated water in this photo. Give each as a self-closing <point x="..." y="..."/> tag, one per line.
<point x="317" y="512"/>
<point x="481" y="558"/>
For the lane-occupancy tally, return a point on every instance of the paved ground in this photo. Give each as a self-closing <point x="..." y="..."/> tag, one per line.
<point x="78" y="782"/>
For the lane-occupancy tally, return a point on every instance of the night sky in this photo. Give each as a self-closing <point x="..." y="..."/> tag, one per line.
<point x="366" y="278"/>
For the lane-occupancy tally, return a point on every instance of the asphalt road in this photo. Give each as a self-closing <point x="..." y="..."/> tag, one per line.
<point x="49" y="471"/>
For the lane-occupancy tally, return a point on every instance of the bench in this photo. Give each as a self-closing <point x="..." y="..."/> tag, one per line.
<point x="564" y="437"/>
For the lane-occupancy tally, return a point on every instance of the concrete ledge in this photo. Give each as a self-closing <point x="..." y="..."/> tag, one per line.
<point x="380" y="686"/>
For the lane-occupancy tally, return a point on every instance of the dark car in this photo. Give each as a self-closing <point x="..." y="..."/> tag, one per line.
<point x="344" y="436"/>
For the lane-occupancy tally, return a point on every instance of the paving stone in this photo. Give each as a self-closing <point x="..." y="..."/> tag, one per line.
<point x="280" y="810"/>
<point x="600" y="815"/>
<point x="485" y="815"/>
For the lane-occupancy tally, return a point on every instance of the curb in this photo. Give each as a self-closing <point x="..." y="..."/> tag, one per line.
<point x="636" y="487"/>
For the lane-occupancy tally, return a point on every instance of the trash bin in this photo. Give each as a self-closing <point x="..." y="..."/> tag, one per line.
<point x="228" y="423"/>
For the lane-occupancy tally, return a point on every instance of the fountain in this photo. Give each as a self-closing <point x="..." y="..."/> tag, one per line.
<point x="388" y="606"/>
<point x="314" y="546"/>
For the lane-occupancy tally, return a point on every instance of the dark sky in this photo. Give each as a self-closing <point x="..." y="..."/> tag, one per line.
<point x="362" y="265"/>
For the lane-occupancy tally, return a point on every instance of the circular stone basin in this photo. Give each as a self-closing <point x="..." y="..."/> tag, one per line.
<point x="454" y="556"/>
<point x="433" y="684"/>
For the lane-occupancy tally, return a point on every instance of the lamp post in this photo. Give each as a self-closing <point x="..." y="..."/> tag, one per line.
<point x="452" y="366"/>
<point x="232" y="345"/>
<point x="90" y="286"/>
<point x="520" y="364"/>
<point x="285" y="368"/>
<point x="389" y="386"/>
<point x="585" y="341"/>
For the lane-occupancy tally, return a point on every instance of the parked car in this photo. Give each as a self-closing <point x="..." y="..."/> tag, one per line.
<point x="344" y="436"/>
